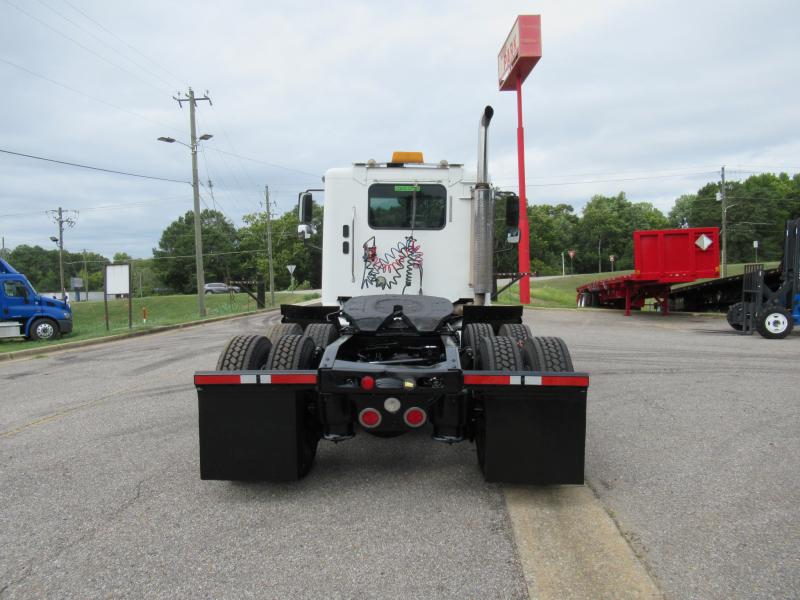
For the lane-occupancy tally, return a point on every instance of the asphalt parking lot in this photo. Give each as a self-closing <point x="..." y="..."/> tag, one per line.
<point x="692" y="449"/>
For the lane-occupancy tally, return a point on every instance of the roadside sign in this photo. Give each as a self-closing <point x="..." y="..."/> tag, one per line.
<point x="755" y="243"/>
<point x="520" y="52"/>
<point x="571" y="253"/>
<point x="291" y="269"/>
<point x="76" y="283"/>
<point x="612" y="257"/>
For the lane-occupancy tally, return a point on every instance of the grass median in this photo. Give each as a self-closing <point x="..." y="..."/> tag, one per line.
<point x="89" y="317"/>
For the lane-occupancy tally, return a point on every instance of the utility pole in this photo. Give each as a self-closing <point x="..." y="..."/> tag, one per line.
<point x="198" y="239"/>
<point x="724" y="224"/>
<point x="269" y="247"/>
<point x="61" y="220"/>
<point x="599" y="259"/>
<point x="85" y="276"/>
<point x="563" y="268"/>
<point x="211" y="192"/>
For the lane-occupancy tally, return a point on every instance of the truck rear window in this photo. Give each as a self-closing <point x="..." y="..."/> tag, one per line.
<point x="396" y="206"/>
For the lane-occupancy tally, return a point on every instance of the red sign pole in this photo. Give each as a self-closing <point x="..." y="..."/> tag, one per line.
<point x="519" y="54"/>
<point x="524" y="262"/>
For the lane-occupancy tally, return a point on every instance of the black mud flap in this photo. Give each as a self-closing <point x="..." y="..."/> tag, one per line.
<point x="252" y="429"/>
<point x="531" y="427"/>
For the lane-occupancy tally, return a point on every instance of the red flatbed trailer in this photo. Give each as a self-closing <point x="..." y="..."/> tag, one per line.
<point x="661" y="258"/>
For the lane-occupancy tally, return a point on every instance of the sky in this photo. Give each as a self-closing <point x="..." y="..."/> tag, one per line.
<point x="646" y="97"/>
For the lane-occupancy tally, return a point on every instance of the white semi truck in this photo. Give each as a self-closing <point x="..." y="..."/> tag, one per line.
<point x="406" y="338"/>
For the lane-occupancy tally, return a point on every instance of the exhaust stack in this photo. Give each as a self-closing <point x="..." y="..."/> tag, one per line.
<point x="482" y="218"/>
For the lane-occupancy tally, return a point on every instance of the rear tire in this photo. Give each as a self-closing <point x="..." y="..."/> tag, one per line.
<point x="296" y="352"/>
<point x="471" y="335"/>
<point x="291" y="353"/>
<point x="323" y="334"/>
<point x="244" y="353"/>
<point x="499" y="354"/>
<point x="518" y="332"/>
<point x="546" y="354"/>
<point x="278" y="330"/>
<point x="44" y="329"/>
<point x="775" y="323"/>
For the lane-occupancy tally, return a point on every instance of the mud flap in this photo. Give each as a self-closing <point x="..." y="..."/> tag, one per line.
<point x="532" y="434"/>
<point x="254" y="432"/>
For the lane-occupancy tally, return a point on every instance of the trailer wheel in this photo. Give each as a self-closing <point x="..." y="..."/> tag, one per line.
<point x="470" y="336"/>
<point x="499" y="354"/>
<point x="323" y="334"/>
<point x="735" y="316"/>
<point x="775" y="323"/>
<point x="518" y="332"/>
<point x="244" y="353"/>
<point x="278" y="330"/>
<point x="546" y="354"/>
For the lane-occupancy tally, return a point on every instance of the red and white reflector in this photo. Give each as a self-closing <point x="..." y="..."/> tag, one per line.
<point x="370" y="418"/>
<point x="415" y="417"/>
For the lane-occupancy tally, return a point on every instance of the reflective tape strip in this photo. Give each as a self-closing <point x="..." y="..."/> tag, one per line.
<point x="486" y="379"/>
<point x="216" y="379"/>
<point x="532" y="380"/>
<point x="226" y="379"/>
<point x="275" y="378"/>
<point x="565" y="380"/>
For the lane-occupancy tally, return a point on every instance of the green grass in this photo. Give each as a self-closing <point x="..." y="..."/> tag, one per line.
<point x="89" y="317"/>
<point x="560" y="292"/>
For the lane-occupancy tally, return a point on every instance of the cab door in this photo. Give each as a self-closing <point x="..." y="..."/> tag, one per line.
<point x="17" y="300"/>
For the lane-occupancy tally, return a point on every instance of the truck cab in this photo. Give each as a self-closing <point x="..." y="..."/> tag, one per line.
<point x="25" y="313"/>
<point x="401" y="227"/>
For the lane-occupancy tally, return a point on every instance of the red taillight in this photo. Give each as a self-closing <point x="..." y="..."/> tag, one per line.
<point x="367" y="383"/>
<point x="369" y="418"/>
<point x="415" y="417"/>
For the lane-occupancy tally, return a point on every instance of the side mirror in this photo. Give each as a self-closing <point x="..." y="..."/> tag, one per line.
<point x="513" y="235"/>
<point x="512" y="211"/>
<point x="305" y="231"/>
<point x="306" y="208"/>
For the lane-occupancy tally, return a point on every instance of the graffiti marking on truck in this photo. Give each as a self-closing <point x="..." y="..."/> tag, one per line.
<point x="396" y="265"/>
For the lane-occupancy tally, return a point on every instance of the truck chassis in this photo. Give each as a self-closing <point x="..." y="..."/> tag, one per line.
<point x="386" y="365"/>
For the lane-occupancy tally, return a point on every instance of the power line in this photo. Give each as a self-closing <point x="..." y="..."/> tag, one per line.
<point x="316" y="176"/>
<point x="66" y="18"/>
<point x="111" y="33"/>
<point x="563" y="183"/>
<point x="72" y="164"/>
<point x="84" y="94"/>
<point x="77" y="43"/>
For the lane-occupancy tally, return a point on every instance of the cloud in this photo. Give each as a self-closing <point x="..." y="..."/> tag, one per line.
<point x="649" y="89"/>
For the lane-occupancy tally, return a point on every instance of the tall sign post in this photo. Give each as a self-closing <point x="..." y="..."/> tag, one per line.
<point x="519" y="54"/>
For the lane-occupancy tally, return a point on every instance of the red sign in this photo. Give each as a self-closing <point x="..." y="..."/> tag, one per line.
<point x="571" y="253"/>
<point x="521" y="51"/>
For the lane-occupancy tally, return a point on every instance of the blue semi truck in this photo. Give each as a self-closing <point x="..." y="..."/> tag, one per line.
<point x="24" y="313"/>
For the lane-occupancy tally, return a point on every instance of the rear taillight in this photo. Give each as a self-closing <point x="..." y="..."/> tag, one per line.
<point x="415" y="417"/>
<point x="367" y="383"/>
<point x="369" y="418"/>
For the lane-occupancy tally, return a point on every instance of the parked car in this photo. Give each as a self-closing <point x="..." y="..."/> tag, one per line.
<point x="220" y="288"/>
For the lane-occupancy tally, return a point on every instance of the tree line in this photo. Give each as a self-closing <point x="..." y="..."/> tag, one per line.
<point x="757" y="210"/>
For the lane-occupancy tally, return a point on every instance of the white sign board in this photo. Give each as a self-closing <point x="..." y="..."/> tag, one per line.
<point x="118" y="279"/>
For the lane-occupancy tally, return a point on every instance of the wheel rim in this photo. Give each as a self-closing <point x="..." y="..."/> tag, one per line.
<point x="776" y="323"/>
<point x="44" y="330"/>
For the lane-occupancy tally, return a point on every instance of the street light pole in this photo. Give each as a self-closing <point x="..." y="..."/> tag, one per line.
<point x="198" y="235"/>
<point x="198" y="239"/>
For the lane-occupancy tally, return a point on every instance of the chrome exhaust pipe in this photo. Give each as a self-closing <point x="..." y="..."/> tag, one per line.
<point x="482" y="218"/>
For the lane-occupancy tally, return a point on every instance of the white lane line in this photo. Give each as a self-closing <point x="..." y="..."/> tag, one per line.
<point x="569" y="546"/>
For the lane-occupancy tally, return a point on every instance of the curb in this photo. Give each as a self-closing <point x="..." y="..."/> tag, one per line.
<point x="28" y="352"/>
